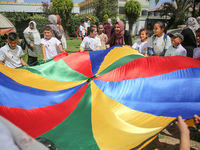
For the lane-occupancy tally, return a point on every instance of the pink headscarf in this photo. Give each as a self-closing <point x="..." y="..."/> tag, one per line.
<point x="118" y="38"/>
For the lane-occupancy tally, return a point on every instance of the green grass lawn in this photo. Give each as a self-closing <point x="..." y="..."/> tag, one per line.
<point x="72" y="46"/>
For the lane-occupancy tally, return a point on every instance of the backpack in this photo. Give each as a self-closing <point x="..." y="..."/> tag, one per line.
<point x="165" y="40"/>
<point x="23" y="43"/>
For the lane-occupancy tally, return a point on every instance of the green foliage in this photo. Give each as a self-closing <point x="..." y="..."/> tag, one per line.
<point x="74" y="23"/>
<point x="47" y="8"/>
<point x="94" y="20"/>
<point x="105" y="18"/>
<point x="132" y="10"/>
<point x="16" y="16"/>
<point x="179" y="14"/>
<point x="63" y="8"/>
<point x="40" y="21"/>
<point x="103" y="7"/>
<point x="196" y="13"/>
<point x="3" y="39"/>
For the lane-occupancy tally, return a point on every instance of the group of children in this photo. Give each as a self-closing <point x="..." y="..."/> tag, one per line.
<point x="159" y="44"/>
<point x="11" y="54"/>
<point x="95" y="40"/>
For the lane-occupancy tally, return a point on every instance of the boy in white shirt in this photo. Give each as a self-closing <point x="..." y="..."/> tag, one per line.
<point x="11" y="54"/>
<point x="142" y="45"/>
<point x="176" y="48"/>
<point x="82" y="30"/>
<point x="50" y="44"/>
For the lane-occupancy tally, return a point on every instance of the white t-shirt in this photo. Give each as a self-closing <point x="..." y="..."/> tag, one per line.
<point x="11" y="57"/>
<point x="90" y="43"/>
<point x="81" y="28"/>
<point x="51" y="47"/>
<point x="87" y="24"/>
<point x="141" y="46"/>
<point x="180" y="50"/>
<point x="159" y="44"/>
<point x="196" y="53"/>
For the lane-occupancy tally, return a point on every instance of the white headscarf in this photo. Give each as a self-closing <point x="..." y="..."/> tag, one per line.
<point x="192" y="24"/>
<point x="35" y="32"/>
<point x="109" y="21"/>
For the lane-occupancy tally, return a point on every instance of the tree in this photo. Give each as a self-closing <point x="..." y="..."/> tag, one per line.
<point x="46" y="7"/>
<point x="105" y="18"/>
<point x="17" y="16"/>
<point x="103" y="7"/>
<point x="63" y="8"/>
<point x="178" y="13"/>
<point x="132" y="10"/>
<point x="192" y="3"/>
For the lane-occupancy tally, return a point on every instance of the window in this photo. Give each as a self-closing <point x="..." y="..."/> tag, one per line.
<point x="144" y="12"/>
<point x="157" y="14"/>
<point x="151" y="13"/>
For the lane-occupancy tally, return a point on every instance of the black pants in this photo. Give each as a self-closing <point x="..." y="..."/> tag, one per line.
<point x="32" y="61"/>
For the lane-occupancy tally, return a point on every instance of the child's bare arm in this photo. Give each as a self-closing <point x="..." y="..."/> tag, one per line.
<point x="1" y="62"/>
<point x="44" y="52"/>
<point x="60" y="48"/>
<point x="184" y="134"/>
<point x="23" y="62"/>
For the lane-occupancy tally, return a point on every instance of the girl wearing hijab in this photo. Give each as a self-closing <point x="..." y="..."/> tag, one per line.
<point x="33" y="49"/>
<point x="189" y="34"/>
<point x="120" y="36"/>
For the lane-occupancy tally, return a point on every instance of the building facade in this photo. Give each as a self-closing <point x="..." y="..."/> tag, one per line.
<point x="86" y="7"/>
<point x="20" y="6"/>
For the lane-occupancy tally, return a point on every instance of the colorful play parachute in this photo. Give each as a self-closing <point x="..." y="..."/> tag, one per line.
<point x="107" y="99"/>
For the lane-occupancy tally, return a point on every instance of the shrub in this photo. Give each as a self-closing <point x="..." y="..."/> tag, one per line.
<point x="74" y="23"/>
<point x="105" y="18"/>
<point x="47" y="8"/>
<point x="17" y="16"/>
<point x="3" y="39"/>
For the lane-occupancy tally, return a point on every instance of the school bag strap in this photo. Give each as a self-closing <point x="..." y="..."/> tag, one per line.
<point x="165" y="40"/>
<point x="102" y="37"/>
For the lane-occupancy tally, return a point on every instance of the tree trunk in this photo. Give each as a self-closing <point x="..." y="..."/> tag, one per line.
<point x="130" y="27"/>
